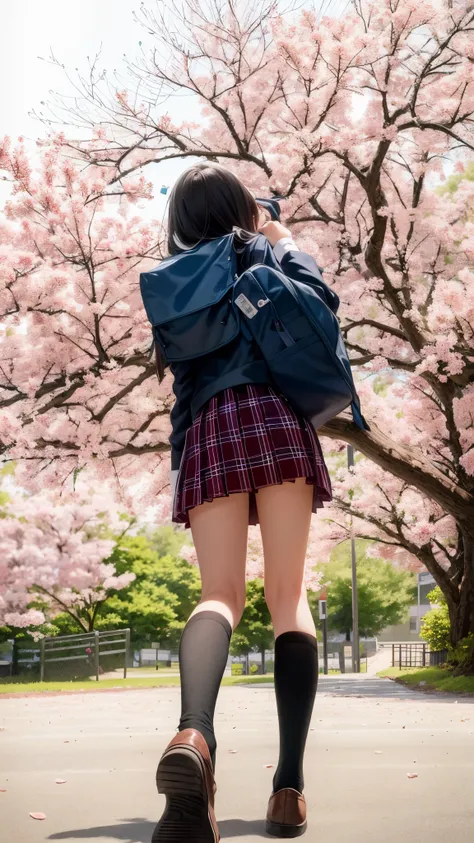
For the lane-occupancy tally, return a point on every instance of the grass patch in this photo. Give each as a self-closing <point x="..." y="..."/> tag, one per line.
<point x="333" y="671"/>
<point x="151" y="670"/>
<point x="433" y="679"/>
<point x="248" y="680"/>
<point x="18" y="685"/>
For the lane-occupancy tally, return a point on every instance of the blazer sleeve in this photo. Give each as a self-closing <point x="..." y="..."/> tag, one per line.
<point x="181" y="418"/>
<point x="299" y="266"/>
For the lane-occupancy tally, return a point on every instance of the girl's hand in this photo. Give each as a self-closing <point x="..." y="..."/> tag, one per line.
<point x="274" y="231"/>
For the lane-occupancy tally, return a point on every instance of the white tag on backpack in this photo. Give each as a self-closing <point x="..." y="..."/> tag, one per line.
<point x="246" y="306"/>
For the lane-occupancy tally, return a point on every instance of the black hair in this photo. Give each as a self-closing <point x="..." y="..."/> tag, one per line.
<point x="208" y="201"/>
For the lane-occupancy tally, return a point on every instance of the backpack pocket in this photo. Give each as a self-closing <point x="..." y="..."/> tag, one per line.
<point x="198" y="333"/>
<point x="306" y="374"/>
<point x="298" y="325"/>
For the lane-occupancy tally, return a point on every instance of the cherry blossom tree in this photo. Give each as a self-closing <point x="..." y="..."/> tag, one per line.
<point x="354" y="121"/>
<point x="52" y="559"/>
<point x="77" y="378"/>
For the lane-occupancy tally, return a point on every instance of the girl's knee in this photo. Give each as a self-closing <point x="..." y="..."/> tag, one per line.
<point x="284" y="594"/>
<point x="232" y="597"/>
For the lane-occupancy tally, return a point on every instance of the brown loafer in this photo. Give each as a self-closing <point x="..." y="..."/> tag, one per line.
<point x="286" y="815"/>
<point x="186" y="778"/>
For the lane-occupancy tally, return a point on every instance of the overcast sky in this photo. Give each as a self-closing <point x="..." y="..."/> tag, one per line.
<point x="72" y="30"/>
<point x="31" y="29"/>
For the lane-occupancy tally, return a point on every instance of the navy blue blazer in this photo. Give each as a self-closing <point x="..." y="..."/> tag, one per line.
<point x="196" y="328"/>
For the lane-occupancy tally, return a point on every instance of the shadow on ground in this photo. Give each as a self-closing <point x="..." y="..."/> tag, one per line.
<point x="139" y="830"/>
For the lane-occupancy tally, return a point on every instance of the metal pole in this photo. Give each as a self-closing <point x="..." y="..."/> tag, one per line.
<point x="323" y="616"/>
<point x="419" y="605"/>
<point x="355" y="603"/>
<point x="96" y="654"/>
<point x="127" y="652"/>
<point x="325" y="645"/>
<point x="42" y="660"/>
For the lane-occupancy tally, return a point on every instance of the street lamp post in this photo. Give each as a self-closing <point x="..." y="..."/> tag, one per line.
<point x="355" y="604"/>
<point x="418" y="620"/>
<point x="323" y="615"/>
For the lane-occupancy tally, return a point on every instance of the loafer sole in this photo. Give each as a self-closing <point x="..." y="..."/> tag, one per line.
<point x="283" y="830"/>
<point x="187" y="816"/>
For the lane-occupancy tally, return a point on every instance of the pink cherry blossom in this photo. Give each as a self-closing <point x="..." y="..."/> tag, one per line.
<point x="53" y="552"/>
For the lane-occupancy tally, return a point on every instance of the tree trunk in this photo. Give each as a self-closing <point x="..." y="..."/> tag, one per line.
<point x="461" y="611"/>
<point x="262" y="652"/>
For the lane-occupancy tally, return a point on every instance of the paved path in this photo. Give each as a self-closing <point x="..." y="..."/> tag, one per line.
<point x="381" y="660"/>
<point x="136" y="673"/>
<point x="367" y="734"/>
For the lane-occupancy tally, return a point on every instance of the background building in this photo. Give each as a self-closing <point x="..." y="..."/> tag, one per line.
<point x="410" y="631"/>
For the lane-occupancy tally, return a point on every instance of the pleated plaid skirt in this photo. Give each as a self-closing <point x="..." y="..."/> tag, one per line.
<point x="242" y="440"/>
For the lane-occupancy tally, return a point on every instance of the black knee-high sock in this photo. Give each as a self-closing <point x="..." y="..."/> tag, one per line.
<point x="296" y="680"/>
<point x="203" y="653"/>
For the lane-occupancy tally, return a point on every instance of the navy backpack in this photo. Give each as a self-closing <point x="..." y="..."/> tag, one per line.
<point x="300" y="339"/>
<point x="301" y="342"/>
<point x="296" y="331"/>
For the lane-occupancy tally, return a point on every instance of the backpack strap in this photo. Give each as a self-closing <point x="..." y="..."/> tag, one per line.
<point x="272" y="206"/>
<point x="357" y="415"/>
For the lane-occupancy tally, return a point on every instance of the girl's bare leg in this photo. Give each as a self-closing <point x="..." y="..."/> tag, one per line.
<point x="285" y="517"/>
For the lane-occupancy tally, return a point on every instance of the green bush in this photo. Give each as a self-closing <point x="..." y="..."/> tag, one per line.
<point x="436" y="628"/>
<point x="254" y="668"/>
<point x="461" y="656"/>
<point x="237" y="669"/>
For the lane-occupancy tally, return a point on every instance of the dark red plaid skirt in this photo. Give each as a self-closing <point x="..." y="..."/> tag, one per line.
<point x="242" y="440"/>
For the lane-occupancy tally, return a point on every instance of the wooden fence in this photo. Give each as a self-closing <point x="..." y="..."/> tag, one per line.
<point x="88" y="647"/>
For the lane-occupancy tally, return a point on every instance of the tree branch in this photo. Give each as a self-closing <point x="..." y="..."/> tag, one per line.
<point x="406" y="463"/>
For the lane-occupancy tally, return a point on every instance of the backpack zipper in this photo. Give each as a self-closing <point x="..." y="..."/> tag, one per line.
<point x="286" y="337"/>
